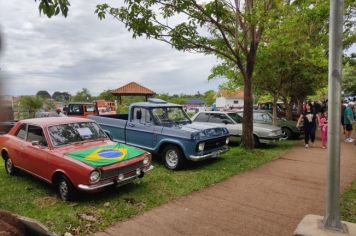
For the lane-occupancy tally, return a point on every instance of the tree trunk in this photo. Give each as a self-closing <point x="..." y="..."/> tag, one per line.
<point x="287" y="107"/>
<point x="247" y="124"/>
<point x="274" y="112"/>
<point x="300" y="105"/>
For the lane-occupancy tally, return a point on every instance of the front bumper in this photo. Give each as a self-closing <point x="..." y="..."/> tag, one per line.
<point x="270" y="139"/>
<point x="109" y="182"/>
<point x="213" y="154"/>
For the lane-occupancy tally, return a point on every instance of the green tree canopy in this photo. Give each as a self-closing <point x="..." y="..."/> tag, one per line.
<point x="53" y="7"/>
<point x="230" y="30"/>
<point x="82" y="96"/>
<point x="107" y="95"/>
<point x="61" y="96"/>
<point x="43" y="94"/>
<point x="28" y="105"/>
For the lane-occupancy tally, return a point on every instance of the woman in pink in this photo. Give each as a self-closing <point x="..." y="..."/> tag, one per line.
<point x="324" y="128"/>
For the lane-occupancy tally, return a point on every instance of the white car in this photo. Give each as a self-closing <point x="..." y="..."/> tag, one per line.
<point x="262" y="133"/>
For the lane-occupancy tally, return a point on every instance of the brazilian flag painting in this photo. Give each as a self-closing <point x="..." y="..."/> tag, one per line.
<point x="106" y="155"/>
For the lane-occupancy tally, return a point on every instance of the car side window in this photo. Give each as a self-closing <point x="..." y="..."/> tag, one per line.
<point x="35" y="133"/>
<point x="21" y="132"/>
<point x="218" y="118"/>
<point x="202" y="117"/>
<point x="266" y="117"/>
<point x="257" y="116"/>
<point x="75" y="109"/>
<point x="89" y="108"/>
<point x="141" y="115"/>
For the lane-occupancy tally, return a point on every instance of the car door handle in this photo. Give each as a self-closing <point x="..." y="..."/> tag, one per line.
<point x="131" y="125"/>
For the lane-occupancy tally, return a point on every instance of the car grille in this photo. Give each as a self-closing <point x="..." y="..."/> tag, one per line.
<point x="215" y="143"/>
<point x="123" y="170"/>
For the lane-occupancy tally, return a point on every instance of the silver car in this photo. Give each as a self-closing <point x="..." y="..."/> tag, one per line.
<point x="262" y="133"/>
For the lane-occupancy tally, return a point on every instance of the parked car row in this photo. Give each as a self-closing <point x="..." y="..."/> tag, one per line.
<point x="262" y="133"/>
<point x="78" y="154"/>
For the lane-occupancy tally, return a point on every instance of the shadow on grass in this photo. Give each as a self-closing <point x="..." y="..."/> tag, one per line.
<point x="105" y="194"/>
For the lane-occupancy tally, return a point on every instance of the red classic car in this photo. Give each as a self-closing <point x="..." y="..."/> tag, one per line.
<point x="72" y="154"/>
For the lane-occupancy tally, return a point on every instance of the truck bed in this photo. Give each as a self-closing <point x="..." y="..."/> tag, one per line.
<point x="113" y="124"/>
<point x="116" y="116"/>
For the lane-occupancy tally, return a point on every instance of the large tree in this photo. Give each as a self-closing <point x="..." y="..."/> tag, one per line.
<point x="61" y="96"/>
<point x="28" y="105"/>
<point x="44" y="94"/>
<point x="230" y="30"/>
<point x="82" y="96"/>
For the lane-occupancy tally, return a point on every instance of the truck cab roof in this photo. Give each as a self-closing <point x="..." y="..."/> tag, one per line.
<point x="154" y="102"/>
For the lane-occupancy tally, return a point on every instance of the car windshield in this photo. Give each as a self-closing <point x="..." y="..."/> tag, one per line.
<point x="74" y="132"/>
<point x="166" y="115"/>
<point x="236" y="117"/>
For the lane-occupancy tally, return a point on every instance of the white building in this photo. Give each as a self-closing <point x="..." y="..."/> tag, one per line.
<point x="229" y="99"/>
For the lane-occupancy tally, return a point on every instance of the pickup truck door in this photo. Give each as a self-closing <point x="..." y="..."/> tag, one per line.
<point x="140" y="129"/>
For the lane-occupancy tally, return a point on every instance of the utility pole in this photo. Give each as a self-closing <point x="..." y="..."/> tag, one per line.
<point x="332" y="215"/>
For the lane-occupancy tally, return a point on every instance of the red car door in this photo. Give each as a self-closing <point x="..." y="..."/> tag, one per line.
<point x="37" y="152"/>
<point x="17" y="147"/>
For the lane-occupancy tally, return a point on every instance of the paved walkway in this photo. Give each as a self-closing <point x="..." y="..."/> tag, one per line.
<point x="269" y="200"/>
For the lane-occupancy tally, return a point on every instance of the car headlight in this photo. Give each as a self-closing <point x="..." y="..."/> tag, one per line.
<point x="146" y="160"/>
<point x="94" y="176"/>
<point x="201" y="146"/>
<point x="227" y="141"/>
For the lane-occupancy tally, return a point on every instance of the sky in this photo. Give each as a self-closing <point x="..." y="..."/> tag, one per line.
<point x="80" y="51"/>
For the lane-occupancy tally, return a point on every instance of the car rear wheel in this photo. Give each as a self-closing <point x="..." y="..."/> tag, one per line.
<point x="66" y="189"/>
<point x="9" y="167"/>
<point x="173" y="157"/>
<point x="286" y="133"/>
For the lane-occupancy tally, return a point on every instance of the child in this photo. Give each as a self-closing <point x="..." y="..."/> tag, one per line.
<point x="324" y="128"/>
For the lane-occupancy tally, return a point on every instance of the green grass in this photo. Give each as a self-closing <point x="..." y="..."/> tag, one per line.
<point x="30" y="197"/>
<point x="348" y="204"/>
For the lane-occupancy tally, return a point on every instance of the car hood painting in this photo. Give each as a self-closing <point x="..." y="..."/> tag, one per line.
<point x="105" y="154"/>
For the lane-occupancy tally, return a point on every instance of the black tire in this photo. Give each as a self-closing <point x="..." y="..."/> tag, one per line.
<point x="256" y="141"/>
<point x="9" y="166"/>
<point x="66" y="190"/>
<point x="173" y="157"/>
<point x="286" y="134"/>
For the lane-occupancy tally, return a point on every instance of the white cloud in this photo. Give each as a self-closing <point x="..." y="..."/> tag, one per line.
<point x="79" y="51"/>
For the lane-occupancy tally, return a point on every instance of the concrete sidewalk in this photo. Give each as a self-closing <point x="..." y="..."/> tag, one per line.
<point x="269" y="200"/>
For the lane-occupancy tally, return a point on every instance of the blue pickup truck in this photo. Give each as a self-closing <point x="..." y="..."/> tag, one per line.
<point x="165" y="129"/>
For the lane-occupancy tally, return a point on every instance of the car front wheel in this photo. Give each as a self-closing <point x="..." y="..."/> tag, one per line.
<point x="9" y="167"/>
<point x="66" y="189"/>
<point x="173" y="157"/>
<point x="286" y="134"/>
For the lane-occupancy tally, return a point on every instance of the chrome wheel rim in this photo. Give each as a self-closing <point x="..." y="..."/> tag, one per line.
<point x="172" y="158"/>
<point x="63" y="190"/>
<point x="284" y="135"/>
<point x="9" y="166"/>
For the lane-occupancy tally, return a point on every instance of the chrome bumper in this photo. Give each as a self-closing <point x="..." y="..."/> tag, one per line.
<point x="106" y="183"/>
<point x="210" y="155"/>
<point x="268" y="140"/>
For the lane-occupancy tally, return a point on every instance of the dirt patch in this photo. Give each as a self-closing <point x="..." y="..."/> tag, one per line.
<point x="45" y="201"/>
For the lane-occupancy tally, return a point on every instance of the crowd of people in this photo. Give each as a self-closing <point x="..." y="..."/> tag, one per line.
<point x="315" y="115"/>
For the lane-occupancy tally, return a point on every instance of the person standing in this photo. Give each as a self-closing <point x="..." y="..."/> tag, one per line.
<point x="324" y="128"/>
<point x="349" y="119"/>
<point x="343" y="107"/>
<point x="310" y="119"/>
